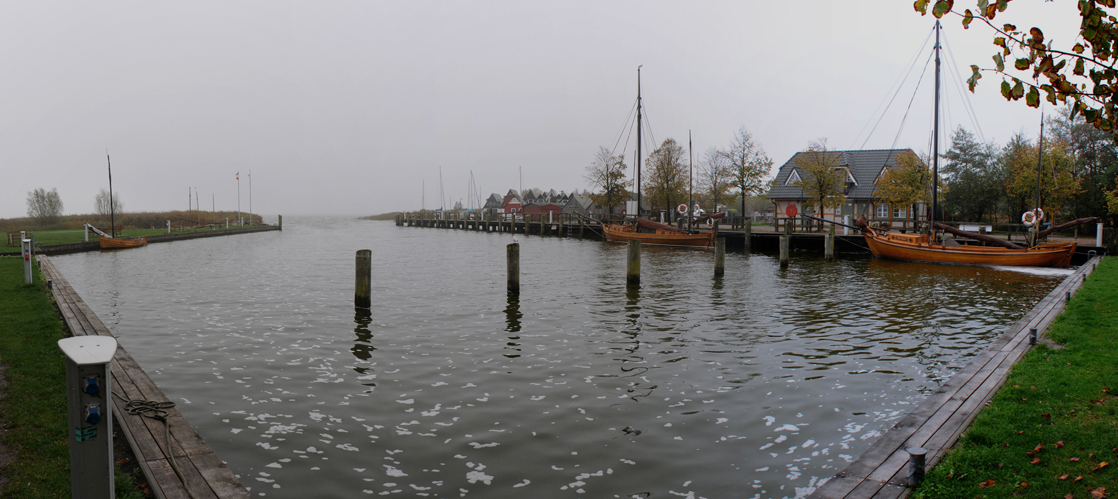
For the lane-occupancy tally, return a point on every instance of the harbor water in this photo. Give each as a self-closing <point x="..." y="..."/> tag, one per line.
<point x="762" y="383"/>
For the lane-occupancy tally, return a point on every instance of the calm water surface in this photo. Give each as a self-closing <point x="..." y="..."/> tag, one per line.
<point x="761" y="384"/>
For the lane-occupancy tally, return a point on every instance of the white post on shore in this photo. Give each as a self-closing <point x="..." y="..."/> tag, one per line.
<point x="86" y="236"/>
<point x="25" y="245"/>
<point x="1098" y="235"/>
<point x="846" y="221"/>
<point x="168" y="226"/>
<point x="227" y="222"/>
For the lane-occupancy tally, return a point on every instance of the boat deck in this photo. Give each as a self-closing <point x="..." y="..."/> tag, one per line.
<point x="936" y="424"/>
<point x="207" y="476"/>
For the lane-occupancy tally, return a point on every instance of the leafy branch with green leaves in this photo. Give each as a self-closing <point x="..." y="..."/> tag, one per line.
<point x="1083" y="77"/>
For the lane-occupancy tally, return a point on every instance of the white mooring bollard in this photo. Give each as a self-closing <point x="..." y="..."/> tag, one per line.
<point x="89" y="421"/>
<point x="1098" y="235"/>
<point x="25" y="246"/>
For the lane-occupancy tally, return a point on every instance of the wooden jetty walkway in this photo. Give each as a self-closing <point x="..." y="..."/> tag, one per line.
<point x="207" y="476"/>
<point x="936" y="424"/>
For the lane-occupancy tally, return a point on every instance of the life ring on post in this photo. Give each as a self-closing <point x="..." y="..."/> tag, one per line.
<point x="681" y="209"/>
<point x="710" y="222"/>
<point x="1029" y="218"/>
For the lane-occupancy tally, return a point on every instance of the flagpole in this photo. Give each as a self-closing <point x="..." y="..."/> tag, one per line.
<point x="239" y="198"/>
<point x="250" y="197"/>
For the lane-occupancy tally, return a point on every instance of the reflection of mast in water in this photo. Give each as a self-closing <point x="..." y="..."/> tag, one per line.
<point x="363" y="346"/>
<point x="512" y="324"/>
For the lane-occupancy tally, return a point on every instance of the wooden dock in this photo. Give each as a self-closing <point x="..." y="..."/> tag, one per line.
<point x="936" y="424"/>
<point x="207" y="476"/>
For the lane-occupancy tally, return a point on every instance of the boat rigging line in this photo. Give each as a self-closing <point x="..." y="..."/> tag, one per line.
<point x="901" y="79"/>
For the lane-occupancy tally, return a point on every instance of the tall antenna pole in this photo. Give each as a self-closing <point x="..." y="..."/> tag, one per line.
<point x="250" y="197"/>
<point x="639" y="140"/>
<point x="935" y="140"/>
<point x="197" y="206"/>
<point x="112" y="214"/>
<point x="690" y="182"/>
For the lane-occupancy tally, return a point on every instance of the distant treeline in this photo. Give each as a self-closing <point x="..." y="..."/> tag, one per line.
<point x="132" y="220"/>
<point x="383" y="216"/>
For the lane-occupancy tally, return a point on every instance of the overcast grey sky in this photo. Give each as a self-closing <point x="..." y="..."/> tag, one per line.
<point x="348" y="107"/>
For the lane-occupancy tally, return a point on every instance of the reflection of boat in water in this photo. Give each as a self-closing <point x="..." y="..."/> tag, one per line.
<point x="122" y="242"/>
<point x="916" y="247"/>
<point x="658" y="234"/>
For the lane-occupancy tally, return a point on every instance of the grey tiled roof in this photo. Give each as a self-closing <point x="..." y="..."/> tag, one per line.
<point x="865" y="165"/>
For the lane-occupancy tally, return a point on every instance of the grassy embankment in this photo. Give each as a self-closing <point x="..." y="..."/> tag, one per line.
<point x="383" y="216"/>
<point x="33" y="407"/>
<point x="68" y="229"/>
<point x="1052" y="430"/>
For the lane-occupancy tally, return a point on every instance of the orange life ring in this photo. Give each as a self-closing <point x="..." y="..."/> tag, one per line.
<point x="681" y="209"/>
<point x="1029" y="218"/>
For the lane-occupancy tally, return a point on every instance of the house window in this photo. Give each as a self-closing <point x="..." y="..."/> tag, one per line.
<point x="898" y="213"/>
<point x="882" y="210"/>
<point x="792" y="178"/>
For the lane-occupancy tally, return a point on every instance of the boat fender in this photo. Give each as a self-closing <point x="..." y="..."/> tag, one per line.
<point x="1032" y="217"/>
<point x="681" y="209"/>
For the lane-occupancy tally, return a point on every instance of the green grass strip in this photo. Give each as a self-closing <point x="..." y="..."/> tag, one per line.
<point x="1052" y="430"/>
<point x="52" y="237"/>
<point x="34" y="402"/>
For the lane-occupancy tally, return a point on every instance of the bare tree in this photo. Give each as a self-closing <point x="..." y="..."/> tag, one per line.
<point x="715" y="176"/>
<point x="45" y="207"/>
<point x="748" y="166"/>
<point x="607" y="172"/>
<point x="822" y="176"/>
<point x="101" y="203"/>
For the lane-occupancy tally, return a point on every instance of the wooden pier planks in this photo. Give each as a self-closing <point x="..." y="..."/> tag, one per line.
<point x="936" y="424"/>
<point x="207" y="476"/>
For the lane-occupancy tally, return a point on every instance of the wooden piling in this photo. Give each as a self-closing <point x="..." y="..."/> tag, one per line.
<point x="786" y="243"/>
<point x="363" y="287"/>
<point x="633" y="264"/>
<point x="719" y="257"/>
<point x="829" y="244"/>
<point x="747" y="227"/>
<point x="512" y="255"/>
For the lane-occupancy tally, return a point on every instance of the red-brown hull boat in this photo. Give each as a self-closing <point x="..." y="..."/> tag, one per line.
<point x="915" y="247"/>
<point x="626" y="233"/>
<point x="117" y="243"/>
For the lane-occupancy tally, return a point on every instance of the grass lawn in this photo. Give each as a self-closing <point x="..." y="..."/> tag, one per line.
<point x="1052" y="430"/>
<point x="34" y="404"/>
<point x="49" y="237"/>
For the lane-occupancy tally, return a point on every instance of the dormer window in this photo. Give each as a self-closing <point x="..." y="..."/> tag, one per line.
<point x="793" y="178"/>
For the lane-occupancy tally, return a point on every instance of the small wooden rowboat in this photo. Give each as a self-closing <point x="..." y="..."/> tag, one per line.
<point x="658" y="234"/>
<point x="122" y="242"/>
<point x="915" y="247"/>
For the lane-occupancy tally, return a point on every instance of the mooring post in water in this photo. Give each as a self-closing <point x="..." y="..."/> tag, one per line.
<point x="786" y="243"/>
<point x="633" y="264"/>
<point x="829" y="244"/>
<point x="280" y="221"/>
<point x="512" y="254"/>
<point x="916" y="456"/>
<point x="363" y="287"/>
<point x="1032" y="336"/>
<point x="719" y="256"/>
<point x="747" y="226"/>
<point x="89" y="414"/>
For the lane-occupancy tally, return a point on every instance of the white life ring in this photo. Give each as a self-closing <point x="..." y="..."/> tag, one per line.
<point x="681" y="209"/>
<point x="710" y="222"/>
<point x="1032" y="217"/>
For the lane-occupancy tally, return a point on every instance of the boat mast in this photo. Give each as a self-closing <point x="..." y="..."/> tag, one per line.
<point x="1039" y="159"/>
<point x="690" y="181"/>
<point x="639" y="140"/>
<point x="935" y="141"/>
<point x="112" y="216"/>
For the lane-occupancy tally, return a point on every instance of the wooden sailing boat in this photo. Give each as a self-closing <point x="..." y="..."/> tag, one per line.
<point x="647" y="231"/>
<point x="928" y="248"/>
<point x="112" y="241"/>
